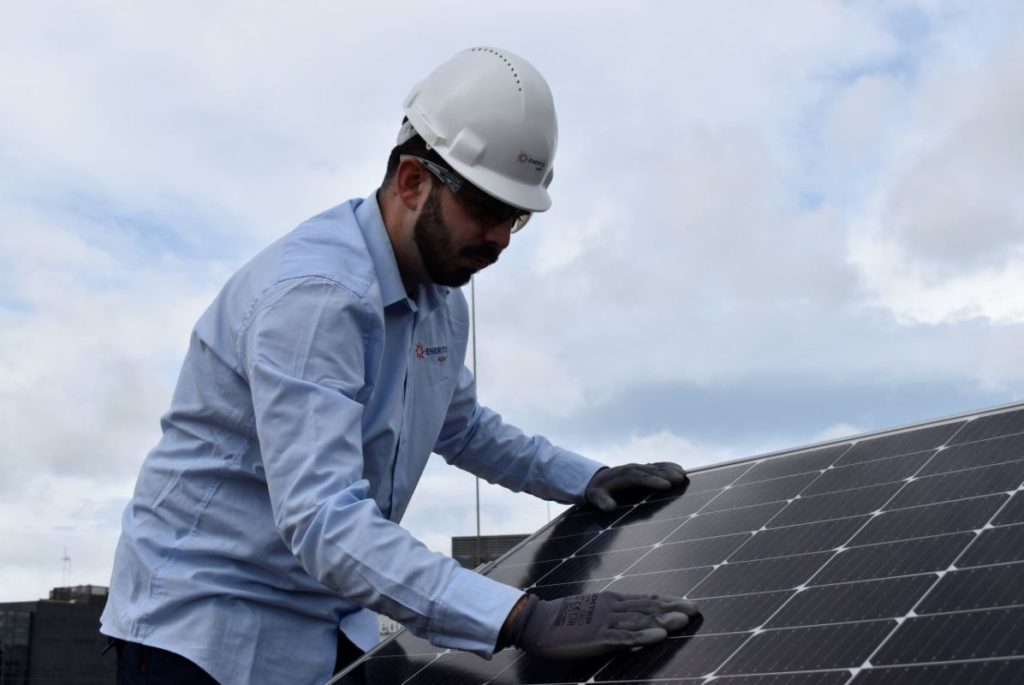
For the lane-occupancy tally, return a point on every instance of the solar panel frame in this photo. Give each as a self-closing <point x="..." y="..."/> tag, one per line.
<point x="955" y="510"/>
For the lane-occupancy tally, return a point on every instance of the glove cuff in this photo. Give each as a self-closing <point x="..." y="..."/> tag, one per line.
<point x="594" y="481"/>
<point x="512" y="633"/>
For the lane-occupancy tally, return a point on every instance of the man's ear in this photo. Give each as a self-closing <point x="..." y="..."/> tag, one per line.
<point x="412" y="183"/>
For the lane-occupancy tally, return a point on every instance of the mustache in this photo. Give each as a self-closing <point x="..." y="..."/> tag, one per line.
<point x="488" y="252"/>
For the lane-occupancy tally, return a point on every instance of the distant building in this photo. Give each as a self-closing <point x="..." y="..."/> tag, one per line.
<point x="470" y="553"/>
<point x="56" y="641"/>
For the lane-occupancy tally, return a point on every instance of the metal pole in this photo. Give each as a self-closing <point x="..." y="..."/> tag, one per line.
<point x="472" y="300"/>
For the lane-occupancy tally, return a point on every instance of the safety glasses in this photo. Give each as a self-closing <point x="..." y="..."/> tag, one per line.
<point x="488" y="210"/>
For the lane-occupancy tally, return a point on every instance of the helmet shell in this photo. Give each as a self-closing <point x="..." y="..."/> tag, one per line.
<point x="489" y="114"/>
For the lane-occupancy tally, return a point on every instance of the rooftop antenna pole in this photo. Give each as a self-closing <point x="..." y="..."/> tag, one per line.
<point x="65" y="571"/>
<point x="472" y="300"/>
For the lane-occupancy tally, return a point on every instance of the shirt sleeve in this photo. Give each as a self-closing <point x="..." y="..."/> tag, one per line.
<point x="475" y="439"/>
<point x="304" y="353"/>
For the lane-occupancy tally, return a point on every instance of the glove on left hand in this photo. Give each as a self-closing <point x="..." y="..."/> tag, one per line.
<point x="607" y="481"/>
<point x="582" y="626"/>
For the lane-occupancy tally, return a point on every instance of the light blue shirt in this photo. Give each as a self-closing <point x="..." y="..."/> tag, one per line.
<point x="312" y="394"/>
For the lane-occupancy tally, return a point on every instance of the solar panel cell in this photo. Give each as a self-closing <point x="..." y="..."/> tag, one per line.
<point x="960" y="484"/>
<point x="977" y="588"/>
<point x="1013" y="512"/>
<point x="859" y="601"/>
<point x="676" y="583"/>
<point x="714" y="479"/>
<point x="566" y="589"/>
<point x="807" y="537"/>
<point x="592" y="566"/>
<point x="803" y="649"/>
<point x="674" y="658"/>
<point x="815" y="678"/>
<point x="548" y="548"/>
<point x="791" y="464"/>
<point x="995" y="546"/>
<point x="726" y="522"/>
<point x="833" y="505"/>
<point x="760" y="493"/>
<point x="689" y="503"/>
<point x="1002" y="423"/>
<point x="705" y="552"/>
<point x="386" y="669"/>
<point x="886" y="470"/>
<point x="739" y="613"/>
<point x="970" y="455"/>
<point x="523" y="575"/>
<point x="759" y="576"/>
<point x="894" y="559"/>
<point x="972" y="673"/>
<point x="895" y="444"/>
<point x="819" y="678"/>
<point x="931" y="519"/>
<point x="633" y="536"/>
<point x="461" y="668"/>
<point x="529" y="670"/>
<point x="581" y="524"/>
<point x="986" y="634"/>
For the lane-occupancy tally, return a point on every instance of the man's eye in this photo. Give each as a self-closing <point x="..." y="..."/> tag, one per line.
<point x="488" y="210"/>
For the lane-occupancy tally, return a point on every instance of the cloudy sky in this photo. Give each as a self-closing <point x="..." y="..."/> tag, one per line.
<point x="773" y="224"/>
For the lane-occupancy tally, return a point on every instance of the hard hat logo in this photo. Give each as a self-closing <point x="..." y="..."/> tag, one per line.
<point x="537" y="164"/>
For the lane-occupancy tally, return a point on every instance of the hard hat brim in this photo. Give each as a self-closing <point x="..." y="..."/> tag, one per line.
<point x="526" y="196"/>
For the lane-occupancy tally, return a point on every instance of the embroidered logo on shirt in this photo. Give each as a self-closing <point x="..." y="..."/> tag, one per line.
<point x="438" y="354"/>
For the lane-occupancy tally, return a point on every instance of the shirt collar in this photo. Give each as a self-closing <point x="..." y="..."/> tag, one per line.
<point x="382" y="254"/>
<point x="371" y="223"/>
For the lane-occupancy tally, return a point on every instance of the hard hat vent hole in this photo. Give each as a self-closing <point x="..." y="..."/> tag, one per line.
<point x="508" y="64"/>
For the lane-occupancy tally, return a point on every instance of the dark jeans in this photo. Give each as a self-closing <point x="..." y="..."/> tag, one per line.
<point x="141" y="665"/>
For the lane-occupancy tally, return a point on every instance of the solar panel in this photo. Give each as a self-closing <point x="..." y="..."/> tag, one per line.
<point x="894" y="557"/>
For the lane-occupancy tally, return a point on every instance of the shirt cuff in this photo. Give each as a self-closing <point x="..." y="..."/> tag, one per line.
<point x="577" y="472"/>
<point x="472" y="610"/>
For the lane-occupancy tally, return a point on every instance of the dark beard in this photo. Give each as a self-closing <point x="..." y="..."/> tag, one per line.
<point x="435" y="246"/>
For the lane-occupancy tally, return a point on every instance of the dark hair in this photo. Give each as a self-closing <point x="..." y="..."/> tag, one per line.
<point x="415" y="146"/>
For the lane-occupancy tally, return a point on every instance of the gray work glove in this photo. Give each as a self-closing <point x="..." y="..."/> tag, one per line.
<point x="589" y="625"/>
<point x="607" y="481"/>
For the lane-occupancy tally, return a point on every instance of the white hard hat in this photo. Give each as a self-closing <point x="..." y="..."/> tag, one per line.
<point x="489" y="114"/>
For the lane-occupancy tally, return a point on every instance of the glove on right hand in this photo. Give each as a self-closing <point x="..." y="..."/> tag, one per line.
<point x="608" y="482"/>
<point x="589" y="625"/>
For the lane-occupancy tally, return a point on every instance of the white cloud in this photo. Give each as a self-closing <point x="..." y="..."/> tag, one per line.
<point x="864" y="121"/>
<point x="943" y="237"/>
<point x="90" y="339"/>
<point x="51" y="513"/>
<point x="663" y="446"/>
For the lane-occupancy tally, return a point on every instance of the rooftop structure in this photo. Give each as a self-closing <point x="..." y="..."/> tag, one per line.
<point x="57" y="640"/>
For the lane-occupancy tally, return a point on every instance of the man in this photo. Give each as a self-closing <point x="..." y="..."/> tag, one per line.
<point x="263" y="531"/>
